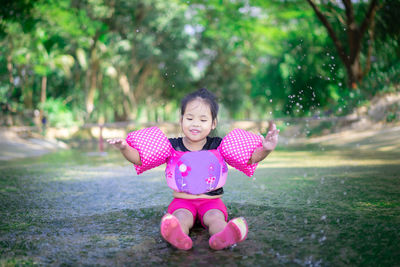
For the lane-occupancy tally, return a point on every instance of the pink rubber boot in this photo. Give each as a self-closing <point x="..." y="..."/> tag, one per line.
<point x="172" y="232"/>
<point x="234" y="232"/>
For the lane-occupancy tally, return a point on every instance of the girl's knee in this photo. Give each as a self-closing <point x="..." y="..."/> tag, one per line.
<point x="184" y="216"/>
<point x="182" y="212"/>
<point x="213" y="215"/>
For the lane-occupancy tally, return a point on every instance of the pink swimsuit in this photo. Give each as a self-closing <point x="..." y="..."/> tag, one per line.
<point x="196" y="172"/>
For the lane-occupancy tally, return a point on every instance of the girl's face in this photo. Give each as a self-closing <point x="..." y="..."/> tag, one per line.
<point x="197" y="121"/>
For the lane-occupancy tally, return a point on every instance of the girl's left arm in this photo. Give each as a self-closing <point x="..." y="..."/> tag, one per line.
<point x="268" y="145"/>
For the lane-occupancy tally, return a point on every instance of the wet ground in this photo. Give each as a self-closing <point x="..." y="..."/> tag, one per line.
<point x="308" y="206"/>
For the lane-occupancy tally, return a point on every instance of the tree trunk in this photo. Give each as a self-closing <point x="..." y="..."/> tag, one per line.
<point x="43" y="96"/>
<point x="26" y="88"/>
<point x="129" y="101"/>
<point x="10" y="68"/>
<point x="144" y="74"/>
<point x="10" y="74"/>
<point x="92" y="74"/>
<point x="355" y="34"/>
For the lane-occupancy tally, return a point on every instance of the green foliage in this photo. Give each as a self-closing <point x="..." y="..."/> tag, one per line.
<point x="393" y="114"/>
<point x="57" y="113"/>
<point x="129" y="59"/>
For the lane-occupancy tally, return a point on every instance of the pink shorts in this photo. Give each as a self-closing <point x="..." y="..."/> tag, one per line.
<point x="198" y="207"/>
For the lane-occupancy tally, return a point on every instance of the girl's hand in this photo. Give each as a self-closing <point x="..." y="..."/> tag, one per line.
<point x="119" y="143"/>
<point x="271" y="139"/>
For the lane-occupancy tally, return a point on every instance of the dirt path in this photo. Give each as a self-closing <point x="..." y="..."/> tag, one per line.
<point x="378" y="139"/>
<point x="13" y="146"/>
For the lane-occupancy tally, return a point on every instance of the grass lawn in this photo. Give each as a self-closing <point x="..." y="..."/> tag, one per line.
<point x="307" y="206"/>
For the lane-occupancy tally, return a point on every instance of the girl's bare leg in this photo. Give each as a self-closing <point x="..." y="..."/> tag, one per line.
<point x="215" y="221"/>
<point x="185" y="218"/>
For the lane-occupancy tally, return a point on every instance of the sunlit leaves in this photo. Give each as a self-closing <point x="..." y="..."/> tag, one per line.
<point x="262" y="58"/>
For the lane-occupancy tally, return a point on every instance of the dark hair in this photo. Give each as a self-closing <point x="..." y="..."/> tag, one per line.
<point x="206" y="96"/>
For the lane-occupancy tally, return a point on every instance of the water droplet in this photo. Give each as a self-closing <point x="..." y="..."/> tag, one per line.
<point x="137" y="30"/>
<point x="299" y="67"/>
<point x="323" y="217"/>
<point x="270" y="101"/>
<point x="344" y="193"/>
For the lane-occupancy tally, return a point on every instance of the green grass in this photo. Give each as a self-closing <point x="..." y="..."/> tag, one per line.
<point x="305" y="207"/>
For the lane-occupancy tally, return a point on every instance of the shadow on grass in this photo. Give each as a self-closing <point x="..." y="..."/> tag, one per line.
<point x="63" y="210"/>
<point x="277" y="236"/>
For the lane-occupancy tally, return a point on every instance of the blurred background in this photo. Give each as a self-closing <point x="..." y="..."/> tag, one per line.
<point x="76" y="64"/>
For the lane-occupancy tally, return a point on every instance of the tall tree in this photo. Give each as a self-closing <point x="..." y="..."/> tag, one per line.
<point x="350" y="50"/>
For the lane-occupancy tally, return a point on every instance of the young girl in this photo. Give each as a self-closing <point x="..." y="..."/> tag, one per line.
<point x="198" y="118"/>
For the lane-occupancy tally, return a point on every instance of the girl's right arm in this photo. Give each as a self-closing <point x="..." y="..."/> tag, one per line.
<point x="127" y="151"/>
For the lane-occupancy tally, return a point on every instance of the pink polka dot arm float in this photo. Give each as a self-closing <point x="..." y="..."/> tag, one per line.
<point x="237" y="147"/>
<point x="153" y="146"/>
<point x="194" y="172"/>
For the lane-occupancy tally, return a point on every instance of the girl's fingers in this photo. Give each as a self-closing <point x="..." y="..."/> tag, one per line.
<point x="272" y="133"/>
<point x="268" y="136"/>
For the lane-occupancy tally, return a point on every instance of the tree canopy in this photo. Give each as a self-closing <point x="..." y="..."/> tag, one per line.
<point x="102" y="60"/>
